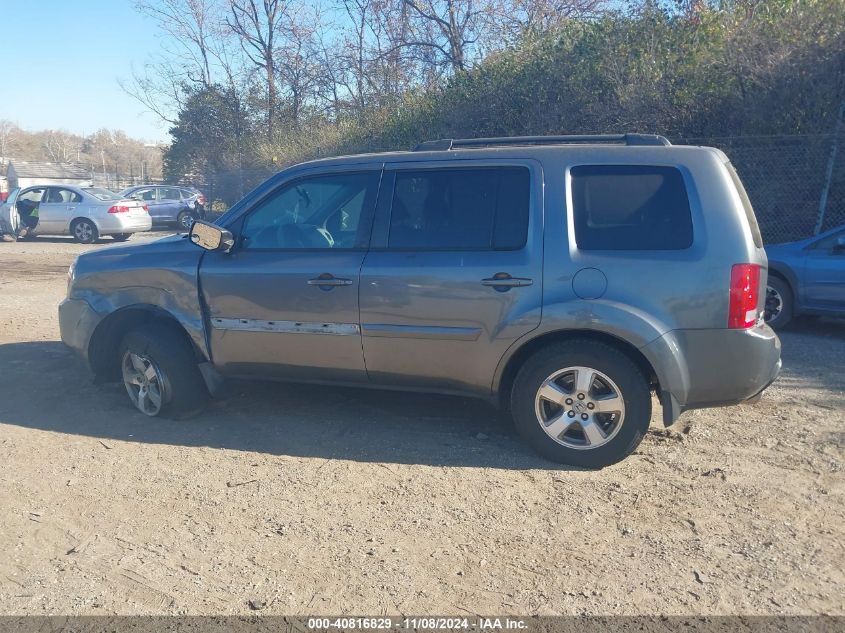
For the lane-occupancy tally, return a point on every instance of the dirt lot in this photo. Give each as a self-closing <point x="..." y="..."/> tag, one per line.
<point x="319" y="501"/>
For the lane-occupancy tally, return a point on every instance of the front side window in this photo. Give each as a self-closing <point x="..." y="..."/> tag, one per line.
<point x="630" y="207"/>
<point x="319" y="212"/>
<point x="460" y="209"/>
<point x="828" y="243"/>
<point x="33" y="195"/>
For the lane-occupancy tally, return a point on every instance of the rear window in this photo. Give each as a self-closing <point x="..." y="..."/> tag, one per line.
<point x="630" y="207"/>
<point x="460" y="209"/>
<point x="101" y="194"/>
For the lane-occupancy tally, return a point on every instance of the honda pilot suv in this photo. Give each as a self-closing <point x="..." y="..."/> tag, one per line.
<point x="565" y="279"/>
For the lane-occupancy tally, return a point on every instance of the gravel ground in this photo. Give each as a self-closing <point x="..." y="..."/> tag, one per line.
<point x="315" y="501"/>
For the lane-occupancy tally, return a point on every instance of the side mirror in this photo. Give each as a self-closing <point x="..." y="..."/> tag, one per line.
<point x="211" y="237"/>
<point x="839" y="246"/>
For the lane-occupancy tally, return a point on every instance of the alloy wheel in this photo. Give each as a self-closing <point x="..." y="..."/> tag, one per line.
<point x="83" y="231"/>
<point x="774" y="304"/>
<point x="580" y="408"/>
<point x="144" y="381"/>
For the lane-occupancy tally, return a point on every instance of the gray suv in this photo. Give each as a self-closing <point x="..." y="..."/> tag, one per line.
<point x="562" y="278"/>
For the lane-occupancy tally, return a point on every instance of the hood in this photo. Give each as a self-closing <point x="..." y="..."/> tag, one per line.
<point x="172" y="251"/>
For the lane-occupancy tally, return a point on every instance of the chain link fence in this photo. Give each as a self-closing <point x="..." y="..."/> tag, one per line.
<point x="796" y="183"/>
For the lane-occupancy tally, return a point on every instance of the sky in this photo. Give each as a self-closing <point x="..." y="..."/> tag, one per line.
<point x="63" y="61"/>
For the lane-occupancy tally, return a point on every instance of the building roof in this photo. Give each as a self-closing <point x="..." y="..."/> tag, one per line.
<point x="63" y="171"/>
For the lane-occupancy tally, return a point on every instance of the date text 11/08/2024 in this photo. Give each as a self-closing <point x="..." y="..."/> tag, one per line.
<point x="421" y="623"/>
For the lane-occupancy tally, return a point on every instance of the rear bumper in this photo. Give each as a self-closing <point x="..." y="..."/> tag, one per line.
<point x="120" y="223"/>
<point x="710" y="368"/>
<point x="77" y="321"/>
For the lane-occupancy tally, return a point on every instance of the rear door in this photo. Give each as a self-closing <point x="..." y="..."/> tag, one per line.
<point x="284" y="302"/>
<point x="824" y="274"/>
<point x="171" y="203"/>
<point x="454" y="273"/>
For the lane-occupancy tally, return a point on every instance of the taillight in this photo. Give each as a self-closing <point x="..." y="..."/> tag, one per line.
<point x="201" y="200"/>
<point x="146" y="208"/>
<point x="118" y="208"/>
<point x="745" y="289"/>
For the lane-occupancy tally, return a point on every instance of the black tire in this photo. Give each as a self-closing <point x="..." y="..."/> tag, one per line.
<point x="615" y="365"/>
<point x="183" y="218"/>
<point x="84" y="231"/>
<point x="780" y="302"/>
<point x="184" y="392"/>
<point x="121" y="237"/>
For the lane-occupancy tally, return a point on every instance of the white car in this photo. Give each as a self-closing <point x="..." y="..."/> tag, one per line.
<point x="86" y="213"/>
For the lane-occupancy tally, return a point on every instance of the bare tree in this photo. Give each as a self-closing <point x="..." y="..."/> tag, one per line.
<point x="447" y="29"/>
<point x="258" y="25"/>
<point x="61" y="147"/>
<point x="194" y="27"/>
<point x="193" y="54"/>
<point x="518" y="17"/>
<point x="8" y="137"/>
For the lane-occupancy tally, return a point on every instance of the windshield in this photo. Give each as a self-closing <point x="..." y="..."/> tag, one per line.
<point x="101" y="194"/>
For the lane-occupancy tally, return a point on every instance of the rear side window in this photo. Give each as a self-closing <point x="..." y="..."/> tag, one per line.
<point x="460" y="209"/>
<point x="630" y="207"/>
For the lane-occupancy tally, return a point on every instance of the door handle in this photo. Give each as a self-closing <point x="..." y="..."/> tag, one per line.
<point x="327" y="279"/>
<point x="503" y="282"/>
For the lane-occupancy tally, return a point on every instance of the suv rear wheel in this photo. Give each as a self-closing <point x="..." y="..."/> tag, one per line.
<point x="160" y="372"/>
<point x="185" y="220"/>
<point x="581" y="403"/>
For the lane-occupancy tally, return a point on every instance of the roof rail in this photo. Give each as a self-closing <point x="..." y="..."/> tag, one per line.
<point x="458" y="143"/>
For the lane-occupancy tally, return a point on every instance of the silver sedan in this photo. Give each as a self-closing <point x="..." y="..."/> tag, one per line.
<point x="86" y="213"/>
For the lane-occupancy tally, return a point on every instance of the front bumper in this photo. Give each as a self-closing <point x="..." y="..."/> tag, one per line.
<point x="77" y="321"/>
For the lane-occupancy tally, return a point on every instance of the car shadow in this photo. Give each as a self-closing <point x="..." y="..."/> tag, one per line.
<point x="44" y="386"/>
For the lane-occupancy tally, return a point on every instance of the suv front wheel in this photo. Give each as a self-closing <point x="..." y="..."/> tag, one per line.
<point x="160" y="373"/>
<point x="581" y="403"/>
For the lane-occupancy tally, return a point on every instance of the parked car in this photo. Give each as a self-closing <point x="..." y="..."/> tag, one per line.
<point x="563" y="278"/>
<point x="806" y="277"/>
<point x="86" y="213"/>
<point x="170" y="204"/>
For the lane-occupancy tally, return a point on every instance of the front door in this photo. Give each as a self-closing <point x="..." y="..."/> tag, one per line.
<point x="454" y="274"/>
<point x="26" y="204"/>
<point x="284" y="302"/>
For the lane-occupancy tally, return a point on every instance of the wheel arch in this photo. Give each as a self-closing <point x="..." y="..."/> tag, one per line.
<point x="505" y="377"/>
<point x="104" y="342"/>
<point x="785" y="273"/>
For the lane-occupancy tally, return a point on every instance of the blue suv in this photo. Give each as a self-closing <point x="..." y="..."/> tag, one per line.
<point x="169" y="204"/>
<point x="806" y="277"/>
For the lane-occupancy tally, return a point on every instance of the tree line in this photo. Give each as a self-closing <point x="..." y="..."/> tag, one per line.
<point x="104" y="151"/>
<point x="258" y="84"/>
